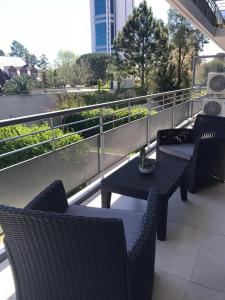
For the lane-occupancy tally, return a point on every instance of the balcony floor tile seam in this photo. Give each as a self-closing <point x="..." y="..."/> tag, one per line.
<point x="197" y="256"/>
<point x="200" y="285"/>
<point x="192" y="227"/>
<point x="205" y="286"/>
<point x="172" y="275"/>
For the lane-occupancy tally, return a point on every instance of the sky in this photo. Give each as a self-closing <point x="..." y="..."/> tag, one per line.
<point x="46" y="26"/>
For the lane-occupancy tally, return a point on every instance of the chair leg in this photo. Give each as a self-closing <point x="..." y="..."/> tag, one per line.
<point x="183" y="189"/>
<point x="106" y="199"/>
<point x="162" y="218"/>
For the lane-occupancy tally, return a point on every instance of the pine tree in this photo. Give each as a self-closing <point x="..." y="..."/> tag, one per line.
<point x="138" y="47"/>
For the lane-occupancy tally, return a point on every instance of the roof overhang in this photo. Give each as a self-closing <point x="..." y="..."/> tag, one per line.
<point x="189" y="10"/>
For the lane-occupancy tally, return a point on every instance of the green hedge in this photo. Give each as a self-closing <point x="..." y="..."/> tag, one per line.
<point x="17" y="130"/>
<point x="109" y="115"/>
<point x="72" y="100"/>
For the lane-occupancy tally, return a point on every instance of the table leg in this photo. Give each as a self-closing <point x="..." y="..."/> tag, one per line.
<point x="183" y="189"/>
<point x="106" y="199"/>
<point x="162" y="218"/>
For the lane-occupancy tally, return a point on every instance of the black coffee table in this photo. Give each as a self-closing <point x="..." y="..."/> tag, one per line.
<point x="128" y="181"/>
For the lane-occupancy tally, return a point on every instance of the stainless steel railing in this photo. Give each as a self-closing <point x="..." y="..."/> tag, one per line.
<point x="152" y="103"/>
<point x="107" y="137"/>
<point x="211" y="10"/>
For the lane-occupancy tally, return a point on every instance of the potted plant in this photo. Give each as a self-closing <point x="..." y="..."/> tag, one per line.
<point x="147" y="166"/>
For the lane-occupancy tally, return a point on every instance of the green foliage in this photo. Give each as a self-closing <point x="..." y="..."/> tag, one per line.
<point x="65" y="57"/>
<point x="216" y="65"/>
<point x="110" y="115"/>
<point x="17" y="130"/>
<point x="31" y="59"/>
<point x="187" y="42"/>
<point x="50" y="79"/>
<point x="70" y="70"/>
<point x="42" y="63"/>
<point x="18" y="85"/>
<point x="140" y="45"/>
<point x="98" y="63"/>
<point x="72" y="100"/>
<point x="2" y="53"/>
<point x="17" y="49"/>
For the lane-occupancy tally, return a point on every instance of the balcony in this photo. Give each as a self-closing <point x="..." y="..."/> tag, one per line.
<point x="206" y="15"/>
<point x="188" y="264"/>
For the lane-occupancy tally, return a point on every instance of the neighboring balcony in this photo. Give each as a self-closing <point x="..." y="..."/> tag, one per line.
<point x="206" y="15"/>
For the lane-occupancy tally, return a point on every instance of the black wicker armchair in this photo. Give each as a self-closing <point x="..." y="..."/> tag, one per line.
<point x="74" y="252"/>
<point x="203" y="146"/>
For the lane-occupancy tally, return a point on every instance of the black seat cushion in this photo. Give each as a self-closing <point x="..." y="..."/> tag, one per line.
<point x="132" y="220"/>
<point x="184" y="151"/>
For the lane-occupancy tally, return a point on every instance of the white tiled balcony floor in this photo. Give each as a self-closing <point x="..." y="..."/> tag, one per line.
<point x="190" y="264"/>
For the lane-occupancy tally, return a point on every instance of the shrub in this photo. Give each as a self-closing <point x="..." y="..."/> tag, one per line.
<point x="117" y="117"/>
<point x="72" y="100"/>
<point x="26" y="141"/>
<point x="18" y="85"/>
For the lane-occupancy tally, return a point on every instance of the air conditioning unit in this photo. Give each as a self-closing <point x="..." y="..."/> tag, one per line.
<point x="216" y="84"/>
<point x="214" y="107"/>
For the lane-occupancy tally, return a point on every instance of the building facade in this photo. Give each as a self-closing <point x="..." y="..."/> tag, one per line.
<point x="107" y="19"/>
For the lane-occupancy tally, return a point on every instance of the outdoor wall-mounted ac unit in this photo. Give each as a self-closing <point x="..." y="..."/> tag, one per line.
<point x="216" y="84"/>
<point x="214" y="107"/>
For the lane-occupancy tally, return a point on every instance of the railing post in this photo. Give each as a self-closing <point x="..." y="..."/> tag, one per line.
<point x="163" y="101"/>
<point x="174" y="103"/>
<point x="191" y="102"/>
<point x="183" y="96"/>
<point x="149" y="121"/>
<point x="101" y="137"/>
<point x="129" y="112"/>
<point x="53" y="134"/>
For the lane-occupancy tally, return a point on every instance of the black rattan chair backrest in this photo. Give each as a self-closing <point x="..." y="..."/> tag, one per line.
<point x="56" y="257"/>
<point x="209" y="126"/>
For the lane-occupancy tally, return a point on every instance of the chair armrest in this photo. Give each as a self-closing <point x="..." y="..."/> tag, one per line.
<point x="208" y="159"/>
<point x="141" y="258"/>
<point x="209" y="147"/>
<point x="174" y="136"/>
<point x="51" y="199"/>
<point x="148" y="231"/>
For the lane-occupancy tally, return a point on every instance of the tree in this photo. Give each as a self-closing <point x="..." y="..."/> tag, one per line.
<point x="2" y="53"/>
<point x="17" y="49"/>
<point x="18" y="85"/>
<point x="187" y="42"/>
<point x="42" y="62"/>
<point x="163" y="72"/>
<point x="137" y="44"/>
<point x="82" y="73"/>
<point x="72" y="71"/>
<point x="31" y="59"/>
<point x="98" y="63"/>
<point x="65" y="58"/>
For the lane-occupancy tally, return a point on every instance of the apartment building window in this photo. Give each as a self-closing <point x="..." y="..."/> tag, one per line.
<point x="100" y="7"/>
<point x="100" y="34"/>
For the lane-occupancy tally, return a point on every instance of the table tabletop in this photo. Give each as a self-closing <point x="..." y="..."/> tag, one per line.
<point x="128" y="180"/>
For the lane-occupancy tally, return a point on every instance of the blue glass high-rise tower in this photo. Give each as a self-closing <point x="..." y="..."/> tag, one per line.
<point x="107" y="18"/>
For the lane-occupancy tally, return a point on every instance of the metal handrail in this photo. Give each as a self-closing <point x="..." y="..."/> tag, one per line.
<point x="42" y="116"/>
<point x="215" y="10"/>
<point x="175" y="98"/>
